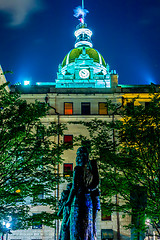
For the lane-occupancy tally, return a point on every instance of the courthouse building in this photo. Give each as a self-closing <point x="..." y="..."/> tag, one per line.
<point x="84" y="82"/>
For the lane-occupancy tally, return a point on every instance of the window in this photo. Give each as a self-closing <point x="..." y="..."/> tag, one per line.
<point x="37" y="226"/>
<point x="107" y="234"/>
<point x="68" y="108"/>
<point x="85" y="108"/>
<point x="68" y="139"/>
<point x="103" y="108"/>
<point x="68" y="169"/>
<point x="36" y="222"/>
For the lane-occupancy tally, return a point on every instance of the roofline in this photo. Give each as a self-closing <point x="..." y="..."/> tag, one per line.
<point x="43" y="89"/>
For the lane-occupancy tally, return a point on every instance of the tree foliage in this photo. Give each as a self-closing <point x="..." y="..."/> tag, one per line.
<point x="127" y="148"/>
<point x="29" y="156"/>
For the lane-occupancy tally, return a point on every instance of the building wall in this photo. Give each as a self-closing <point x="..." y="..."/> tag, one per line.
<point x="57" y="101"/>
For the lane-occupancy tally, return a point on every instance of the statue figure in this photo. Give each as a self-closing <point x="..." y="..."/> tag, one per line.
<point x="94" y="194"/>
<point x="64" y="232"/>
<point x="83" y="199"/>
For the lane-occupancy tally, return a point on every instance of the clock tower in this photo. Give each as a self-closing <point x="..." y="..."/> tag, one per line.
<point x="84" y="66"/>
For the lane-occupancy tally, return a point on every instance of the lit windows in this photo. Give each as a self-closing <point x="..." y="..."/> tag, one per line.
<point x="68" y="169"/>
<point x="102" y="108"/>
<point x="68" y="108"/>
<point x="107" y="234"/>
<point x="68" y="139"/>
<point x="85" y="108"/>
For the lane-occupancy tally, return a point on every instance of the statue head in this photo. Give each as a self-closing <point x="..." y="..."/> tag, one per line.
<point x="82" y="156"/>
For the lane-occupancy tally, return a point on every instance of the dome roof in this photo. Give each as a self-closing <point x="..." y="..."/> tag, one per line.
<point x="75" y="53"/>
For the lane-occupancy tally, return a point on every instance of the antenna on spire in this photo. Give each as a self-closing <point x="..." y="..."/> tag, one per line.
<point x="82" y="4"/>
<point x="80" y="12"/>
<point x="83" y="10"/>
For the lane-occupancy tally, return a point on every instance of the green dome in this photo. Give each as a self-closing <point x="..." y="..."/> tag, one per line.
<point x="75" y="53"/>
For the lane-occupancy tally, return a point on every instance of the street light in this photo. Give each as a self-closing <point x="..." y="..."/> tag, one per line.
<point x="6" y="229"/>
<point x="147" y="222"/>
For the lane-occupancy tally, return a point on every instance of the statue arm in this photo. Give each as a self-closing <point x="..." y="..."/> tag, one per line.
<point x="60" y="211"/>
<point x="74" y="187"/>
<point x="61" y="203"/>
<point x="94" y="170"/>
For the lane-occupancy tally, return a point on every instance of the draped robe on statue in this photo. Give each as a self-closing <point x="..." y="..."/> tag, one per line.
<point x="81" y="214"/>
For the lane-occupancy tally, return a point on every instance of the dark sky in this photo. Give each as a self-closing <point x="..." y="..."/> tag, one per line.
<point x="35" y="36"/>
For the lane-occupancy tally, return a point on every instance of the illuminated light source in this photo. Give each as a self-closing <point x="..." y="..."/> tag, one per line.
<point x="45" y="83"/>
<point x="81" y="20"/>
<point x="147" y="222"/>
<point x="18" y="191"/>
<point x="26" y="82"/>
<point x="8" y="225"/>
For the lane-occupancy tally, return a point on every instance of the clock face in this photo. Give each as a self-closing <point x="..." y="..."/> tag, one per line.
<point x="84" y="73"/>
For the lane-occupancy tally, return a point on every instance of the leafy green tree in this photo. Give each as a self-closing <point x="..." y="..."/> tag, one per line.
<point x="127" y="148"/>
<point x="29" y="156"/>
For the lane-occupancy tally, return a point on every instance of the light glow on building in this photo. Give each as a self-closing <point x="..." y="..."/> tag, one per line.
<point x="26" y="82"/>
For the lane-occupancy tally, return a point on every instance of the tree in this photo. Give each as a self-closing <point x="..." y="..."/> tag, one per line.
<point x="128" y="153"/>
<point x="29" y="157"/>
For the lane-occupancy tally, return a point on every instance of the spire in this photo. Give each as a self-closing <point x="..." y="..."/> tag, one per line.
<point x="83" y="36"/>
<point x="82" y="33"/>
<point x="82" y="4"/>
<point x="83" y="10"/>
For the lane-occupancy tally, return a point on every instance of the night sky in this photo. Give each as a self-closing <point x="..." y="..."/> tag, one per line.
<point x="35" y="36"/>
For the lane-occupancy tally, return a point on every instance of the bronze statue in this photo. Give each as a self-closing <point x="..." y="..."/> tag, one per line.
<point x="65" y="231"/>
<point x="83" y="200"/>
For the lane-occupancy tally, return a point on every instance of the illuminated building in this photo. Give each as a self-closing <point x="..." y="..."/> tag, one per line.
<point x="84" y="82"/>
<point x="83" y="66"/>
